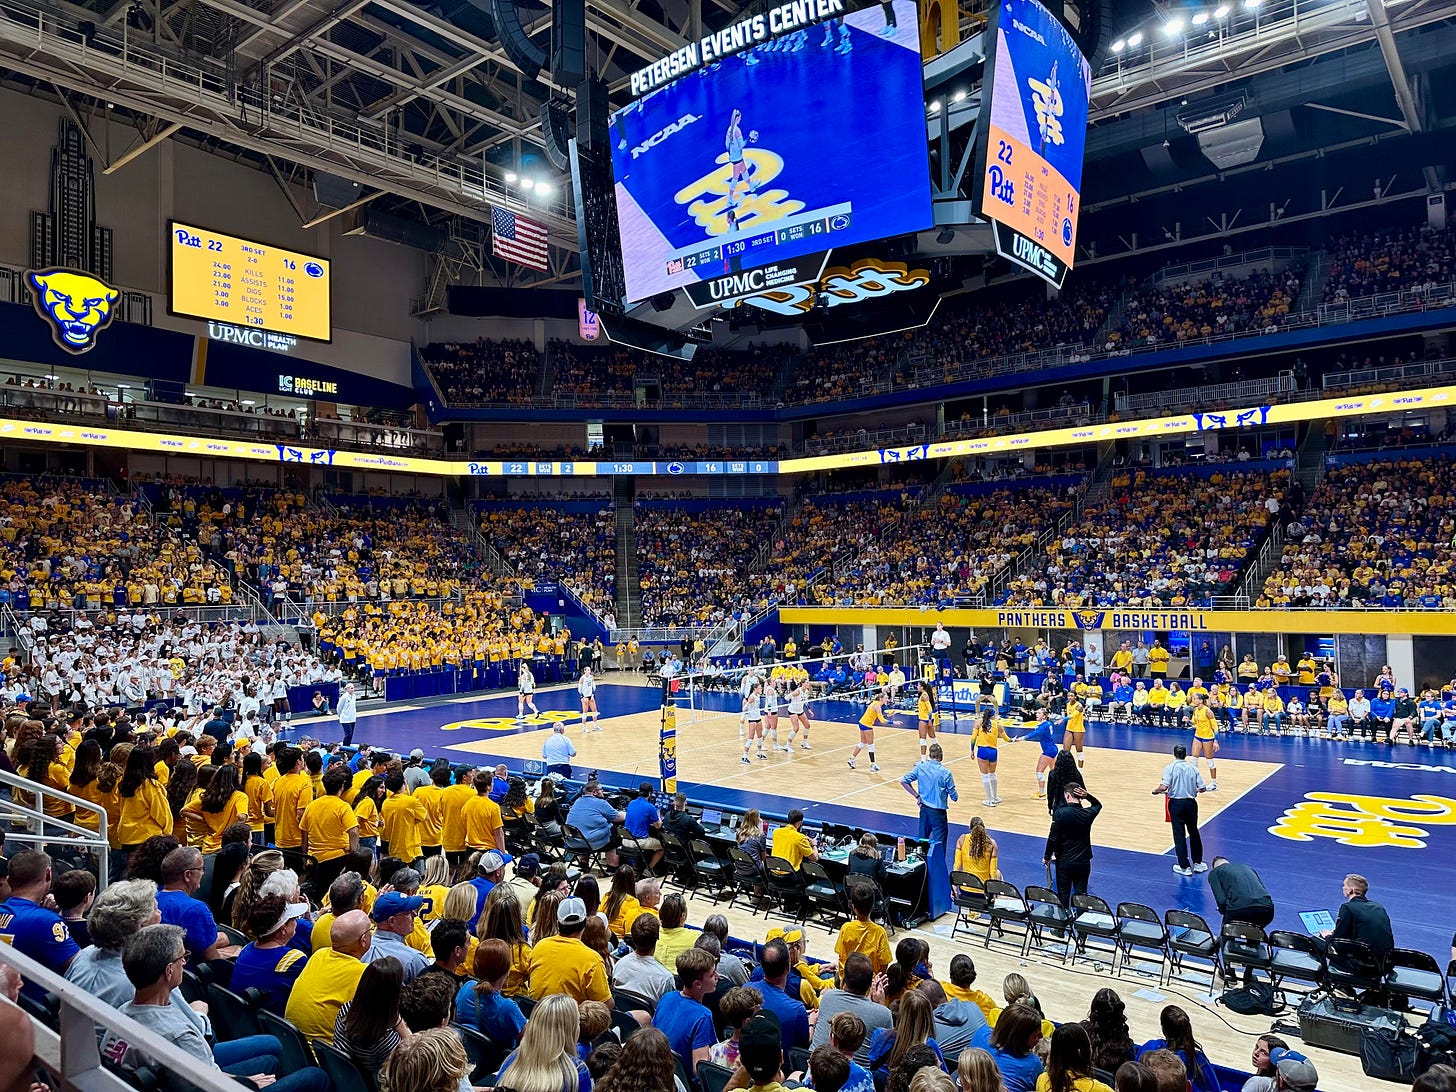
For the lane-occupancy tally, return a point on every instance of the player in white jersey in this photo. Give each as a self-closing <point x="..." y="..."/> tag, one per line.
<point x="799" y="715"/>
<point x="733" y="142"/>
<point x="751" y="678"/>
<point x="525" y="688"/>
<point x="771" y="714"/>
<point x="753" y="715"/>
<point x="587" y="688"/>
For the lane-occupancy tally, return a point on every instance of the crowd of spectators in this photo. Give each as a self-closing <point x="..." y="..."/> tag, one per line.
<point x="693" y="563"/>
<point x="481" y="371"/>
<point x="1373" y="534"/>
<point x="1157" y="540"/>
<point x="76" y="543"/>
<point x="541" y="542"/>
<point x="589" y="372"/>
<point x="1394" y="260"/>
<point x="949" y="549"/>
<point x="1179" y="313"/>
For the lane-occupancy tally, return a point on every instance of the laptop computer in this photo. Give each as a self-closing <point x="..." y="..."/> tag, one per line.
<point x="712" y="817"/>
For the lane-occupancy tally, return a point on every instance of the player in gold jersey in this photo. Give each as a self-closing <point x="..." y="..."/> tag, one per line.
<point x="1205" y="738"/>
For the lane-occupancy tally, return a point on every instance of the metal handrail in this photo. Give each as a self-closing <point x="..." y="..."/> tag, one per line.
<point x="32" y="825"/>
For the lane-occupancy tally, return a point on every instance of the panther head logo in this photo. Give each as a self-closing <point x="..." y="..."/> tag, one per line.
<point x="1090" y="619"/>
<point x="76" y="304"/>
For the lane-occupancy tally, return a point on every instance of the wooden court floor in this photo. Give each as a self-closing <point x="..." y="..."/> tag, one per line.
<point x="709" y="749"/>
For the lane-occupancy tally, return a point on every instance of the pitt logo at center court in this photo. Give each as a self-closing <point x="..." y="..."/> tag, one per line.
<point x="511" y="724"/>
<point x="707" y="199"/>
<point x="75" y="304"/>
<point x="1365" y="822"/>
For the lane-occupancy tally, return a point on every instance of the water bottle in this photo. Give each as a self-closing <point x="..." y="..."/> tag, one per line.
<point x="900" y="848"/>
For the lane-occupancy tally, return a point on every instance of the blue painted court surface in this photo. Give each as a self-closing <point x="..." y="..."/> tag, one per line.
<point x="1388" y="813"/>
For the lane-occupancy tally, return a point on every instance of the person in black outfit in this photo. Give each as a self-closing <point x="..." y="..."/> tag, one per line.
<point x="1240" y="894"/>
<point x="866" y="860"/>
<point x="1064" y="774"/>
<point x="1069" y="842"/>
<point x="680" y="823"/>
<point x="1361" y="919"/>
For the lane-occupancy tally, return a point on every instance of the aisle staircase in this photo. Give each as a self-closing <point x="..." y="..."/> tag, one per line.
<point x="628" y="589"/>
<point x="462" y="518"/>
<point x="1316" y="276"/>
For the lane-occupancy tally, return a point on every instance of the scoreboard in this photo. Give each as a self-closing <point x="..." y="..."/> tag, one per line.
<point x="241" y="282"/>
<point x="1033" y="138"/>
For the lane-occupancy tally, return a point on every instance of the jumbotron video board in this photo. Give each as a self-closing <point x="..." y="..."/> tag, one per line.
<point x="1033" y="134"/>
<point x="753" y="152"/>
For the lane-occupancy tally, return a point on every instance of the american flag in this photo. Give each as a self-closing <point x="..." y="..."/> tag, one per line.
<point x="518" y="239"/>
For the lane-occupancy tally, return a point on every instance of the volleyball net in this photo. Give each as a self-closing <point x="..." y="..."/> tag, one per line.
<point x="838" y="677"/>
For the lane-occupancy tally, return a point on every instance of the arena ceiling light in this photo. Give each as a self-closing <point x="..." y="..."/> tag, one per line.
<point x="959" y="96"/>
<point x="1119" y="45"/>
<point x="1221" y="12"/>
<point x="1200" y="18"/>
<point x="544" y="188"/>
<point x="510" y="177"/>
<point x="1135" y="40"/>
<point x="1174" y="27"/>
<point x="934" y="107"/>
<point x="1252" y="5"/>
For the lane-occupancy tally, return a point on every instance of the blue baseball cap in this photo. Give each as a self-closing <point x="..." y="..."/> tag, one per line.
<point x="392" y="902"/>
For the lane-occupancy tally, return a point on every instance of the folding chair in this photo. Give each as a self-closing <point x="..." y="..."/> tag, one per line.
<point x="678" y="862"/>
<point x="826" y="899"/>
<point x="1047" y="915"/>
<point x="344" y="1073"/>
<point x="747" y="877"/>
<point x="578" y="849"/>
<point x="1295" y="957"/>
<point x="234" y="937"/>
<point x="1351" y="966"/>
<point x="968" y="893"/>
<point x="1006" y="906"/>
<point x="785" y="885"/>
<point x="710" y="871"/>
<point x="1140" y="929"/>
<point x="1243" y="945"/>
<point x="1189" y="935"/>
<point x="1092" y="920"/>
<point x="1414" y="975"/>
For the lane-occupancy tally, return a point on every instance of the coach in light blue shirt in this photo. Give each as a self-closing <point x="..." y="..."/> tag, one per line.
<point x="933" y="787"/>
<point x="557" y="750"/>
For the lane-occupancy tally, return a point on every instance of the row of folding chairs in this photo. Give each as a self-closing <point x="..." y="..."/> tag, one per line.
<point x="1179" y="941"/>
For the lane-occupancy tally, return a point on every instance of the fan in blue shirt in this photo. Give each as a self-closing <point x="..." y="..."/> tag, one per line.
<point x="682" y="1016"/>
<point x="27" y="925"/>
<point x="272" y="963"/>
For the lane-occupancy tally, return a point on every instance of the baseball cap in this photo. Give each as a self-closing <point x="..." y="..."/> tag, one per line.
<point x="570" y="912"/>
<point x="291" y="912"/>
<point x="1298" y="1071"/>
<point x="392" y="902"/>
<point x="417" y="753"/>
<point x="529" y="866"/>
<point x="490" y="861"/>
<point x="761" y="1045"/>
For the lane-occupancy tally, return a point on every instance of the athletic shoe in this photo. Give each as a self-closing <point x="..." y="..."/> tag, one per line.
<point x="1182" y="871"/>
<point x="1200" y="867"/>
<point x="850" y="763"/>
<point x="888" y="31"/>
<point x="745" y="761"/>
<point x="1213" y="786"/>
<point x="785" y="748"/>
<point x="989" y="803"/>
<point x="874" y="767"/>
<point x="995" y="800"/>
<point x="805" y="746"/>
<point x="845" y="46"/>
<point x="762" y="755"/>
<point x="1038" y="796"/>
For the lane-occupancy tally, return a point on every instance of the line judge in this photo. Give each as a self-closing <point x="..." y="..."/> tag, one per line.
<point x="933" y="786"/>
<point x="1182" y="784"/>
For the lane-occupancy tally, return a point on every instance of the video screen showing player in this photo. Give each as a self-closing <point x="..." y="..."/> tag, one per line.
<point x="797" y="145"/>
